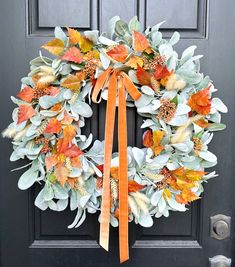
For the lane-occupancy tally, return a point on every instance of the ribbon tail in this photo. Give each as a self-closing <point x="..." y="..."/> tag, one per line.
<point x="123" y="176"/>
<point x="109" y="131"/>
<point x="130" y="87"/>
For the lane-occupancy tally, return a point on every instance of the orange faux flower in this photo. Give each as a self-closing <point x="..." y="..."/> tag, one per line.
<point x="200" y="102"/>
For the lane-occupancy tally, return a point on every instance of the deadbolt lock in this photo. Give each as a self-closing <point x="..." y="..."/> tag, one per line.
<point x="220" y="261"/>
<point x="220" y="226"/>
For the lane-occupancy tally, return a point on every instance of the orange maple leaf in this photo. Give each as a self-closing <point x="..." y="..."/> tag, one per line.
<point x="85" y="44"/>
<point x="73" y="151"/>
<point x="114" y="172"/>
<point x="61" y="173"/>
<point x="76" y="162"/>
<point x="134" y="61"/>
<point x="140" y="42"/>
<point x="69" y="133"/>
<point x="202" y="123"/>
<point x="55" y="46"/>
<point x="53" y="91"/>
<point x="143" y="76"/>
<point x="157" y="138"/>
<point x="148" y="138"/>
<point x="186" y="196"/>
<point x="161" y="72"/>
<point x="133" y="186"/>
<point x="54" y="126"/>
<point x="50" y="162"/>
<point x="26" y="94"/>
<point x="118" y="53"/>
<point x="72" y="82"/>
<point x="74" y="36"/>
<point x="25" y="112"/>
<point x="200" y="102"/>
<point x="67" y="119"/>
<point x="73" y="54"/>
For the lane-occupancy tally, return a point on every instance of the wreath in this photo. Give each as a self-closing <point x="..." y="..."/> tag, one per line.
<point x="127" y="66"/>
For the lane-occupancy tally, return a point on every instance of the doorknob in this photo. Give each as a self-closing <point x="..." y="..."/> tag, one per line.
<point x="220" y="226"/>
<point x="220" y="261"/>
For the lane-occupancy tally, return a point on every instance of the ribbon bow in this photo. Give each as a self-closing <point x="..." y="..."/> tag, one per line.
<point x="117" y="82"/>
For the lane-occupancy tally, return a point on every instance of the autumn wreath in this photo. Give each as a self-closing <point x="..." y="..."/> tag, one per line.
<point x="126" y="67"/>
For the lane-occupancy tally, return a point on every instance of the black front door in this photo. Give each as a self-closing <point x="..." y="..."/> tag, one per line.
<point x="31" y="238"/>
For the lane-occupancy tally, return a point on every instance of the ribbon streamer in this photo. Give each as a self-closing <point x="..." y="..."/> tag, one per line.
<point x="118" y="82"/>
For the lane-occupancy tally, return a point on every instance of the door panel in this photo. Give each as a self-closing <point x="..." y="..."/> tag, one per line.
<point x="31" y="238"/>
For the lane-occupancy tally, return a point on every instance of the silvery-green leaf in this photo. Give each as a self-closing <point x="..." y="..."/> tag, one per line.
<point x="111" y="25"/>
<point x="157" y="26"/>
<point x="106" y="41"/>
<point x="75" y="172"/>
<point x="219" y="105"/>
<point x="48" y="101"/>
<point x="156" y="38"/>
<point x="156" y="196"/>
<point x="113" y="221"/>
<point x="27" y="179"/>
<point x="178" y="120"/>
<point x="52" y="205"/>
<point x="146" y="109"/>
<point x="92" y="35"/>
<point x="161" y="204"/>
<point x="39" y="201"/>
<point x="143" y="101"/>
<point x="121" y="28"/>
<point x="172" y="62"/>
<point x="208" y="156"/>
<point x="104" y="60"/>
<point x="147" y="90"/>
<point x="60" y="34"/>
<point x="59" y="191"/>
<point x="174" y="38"/>
<point x="135" y="25"/>
<point x="73" y="200"/>
<point x="132" y="76"/>
<point x="147" y="123"/>
<point x="145" y="220"/>
<point x="62" y="204"/>
<point x="82" y="109"/>
<point x="182" y="147"/>
<point x="97" y="171"/>
<point x="169" y="94"/>
<point x="55" y="63"/>
<point x="175" y="205"/>
<point x="41" y="60"/>
<point x="48" y="192"/>
<point x="204" y="83"/>
<point x="139" y="156"/>
<point x="166" y="50"/>
<point x="182" y="109"/>
<point x="76" y="219"/>
<point x="87" y="143"/>
<point x="216" y="127"/>
<point x="188" y="53"/>
<point x="65" y="69"/>
<point x="36" y="120"/>
<point x="189" y="76"/>
<point x="82" y="219"/>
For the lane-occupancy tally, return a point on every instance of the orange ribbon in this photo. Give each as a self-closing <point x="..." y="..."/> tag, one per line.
<point x="117" y="82"/>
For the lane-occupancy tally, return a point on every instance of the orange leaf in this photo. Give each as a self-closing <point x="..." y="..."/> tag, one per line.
<point x="73" y="54"/>
<point x="134" y="61"/>
<point x="76" y="162"/>
<point x="94" y="54"/>
<point x="54" y="126"/>
<point x="140" y="43"/>
<point x="133" y="186"/>
<point x="67" y="119"/>
<point x="143" y="76"/>
<point x="148" y="138"/>
<point x="118" y="53"/>
<point x="55" y="46"/>
<point x="56" y="107"/>
<point x="61" y="173"/>
<point x="186" y="196"/>
<point x="114" y="172"/>
<point x="50" y="162"/>
<point x="157" y="138"/>
<point x="73" y="151"/>
<point x="74" y="36"/>
<point x="72" y="181"/>
<point x="72" y="82"/>
<point x="69" y="133"/>
<point x="26" y="94"/>
<point x="200" y="102"/>
<point x="161" y="72"/>
<point x="25" y="112"/>
<point x="202" y="123"/>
